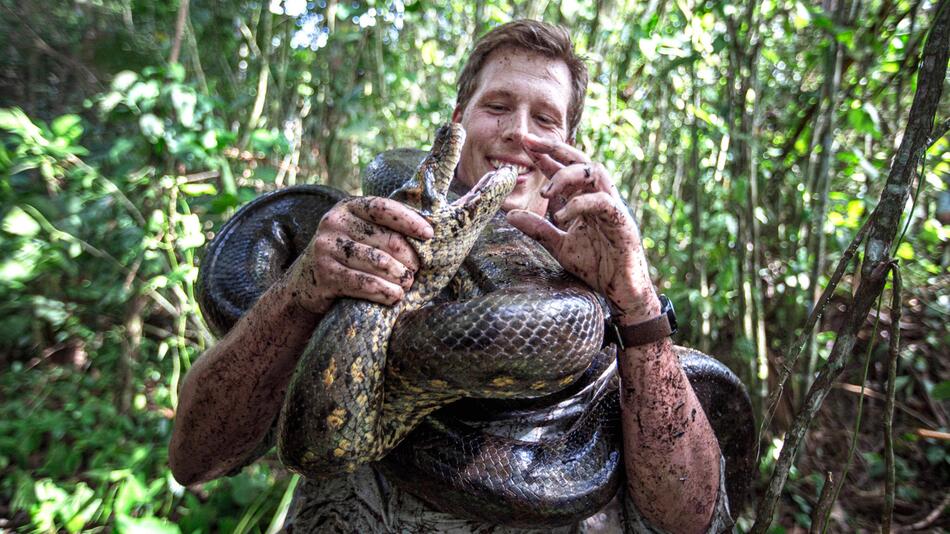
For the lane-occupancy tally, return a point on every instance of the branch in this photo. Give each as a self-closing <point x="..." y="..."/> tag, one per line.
<point x="931" y="517"/>
<point x="179" y="30"/>
<point x="895" y="340"/>
<point x="940" y="130"/>
<point x="823" y="508"/>
<point x="882" y="231"/>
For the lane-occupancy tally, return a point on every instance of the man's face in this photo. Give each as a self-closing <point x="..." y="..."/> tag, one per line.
<point x="518" y="93"/>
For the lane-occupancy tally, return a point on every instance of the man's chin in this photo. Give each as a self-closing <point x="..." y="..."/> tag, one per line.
<point x="514" y="202"/>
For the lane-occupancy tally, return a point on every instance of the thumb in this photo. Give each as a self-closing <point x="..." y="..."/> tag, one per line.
<point x="537" y="228"/>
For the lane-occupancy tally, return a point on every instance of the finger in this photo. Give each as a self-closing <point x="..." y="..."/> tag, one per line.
<point x="382" y="238"/>
<point x="396" y="246"/>
<point x="561" y="152"/>
<point x="537" y="228"/>
<point x="391" y="214"/>
<point x="355" y="284"/>
<point x="576" y="178"/>
<point x="371" y="260"/>
<point x="544" y="162"/>
<point x="599" y="204"/>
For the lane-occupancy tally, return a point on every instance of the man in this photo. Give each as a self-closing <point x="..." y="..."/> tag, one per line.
<point x="520" y="100"/>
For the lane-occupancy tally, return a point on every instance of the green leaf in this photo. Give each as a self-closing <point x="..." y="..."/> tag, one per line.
<point x="263" y="140"/>
<point x="195" y="190"/>
<point x="145" y="525"/>
<point x="152" y="127"/>
<point x="18" y="222"/>
<point x="941" y="391"/>
<point x="191" y="236"/>
<point x="905" y="251"/>
<point x="184" y="101"/>
<point x="67" y="126"/>
<point x="176" y="72"/>
<point x="124" y="80"/>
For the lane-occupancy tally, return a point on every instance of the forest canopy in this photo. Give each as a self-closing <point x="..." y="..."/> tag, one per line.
<point x="752" y="140"/>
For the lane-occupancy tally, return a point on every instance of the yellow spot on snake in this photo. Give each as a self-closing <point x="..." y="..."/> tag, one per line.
<point x="361" y="400"/>
<point x="351" y="332"/>
<point x="335" y="419"/>
<point x="438" y="384"/>
<point x="329" y="372"/>
<point x="338" y="452"/>
<point x="566" y="380"/>
<point x="539" y="385"/>
<point x="502" y="381"/>
<point x="356" y="372"/>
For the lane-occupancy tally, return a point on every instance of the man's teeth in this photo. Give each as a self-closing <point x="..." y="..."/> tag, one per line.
<point x="519" y="169"/>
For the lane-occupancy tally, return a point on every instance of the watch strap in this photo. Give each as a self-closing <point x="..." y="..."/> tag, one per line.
<point x="643" y="333"/>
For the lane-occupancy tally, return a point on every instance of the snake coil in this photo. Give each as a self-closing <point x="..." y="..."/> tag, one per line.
<point x="489" y="394"/>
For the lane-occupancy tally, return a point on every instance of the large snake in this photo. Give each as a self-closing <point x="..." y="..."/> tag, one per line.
<point x="498" y="321"/>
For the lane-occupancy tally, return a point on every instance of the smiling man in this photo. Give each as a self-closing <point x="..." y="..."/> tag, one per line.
<point x="520" y="99"/>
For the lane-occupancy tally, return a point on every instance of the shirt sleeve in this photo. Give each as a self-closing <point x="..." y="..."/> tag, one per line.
<point x="634" y="523"/>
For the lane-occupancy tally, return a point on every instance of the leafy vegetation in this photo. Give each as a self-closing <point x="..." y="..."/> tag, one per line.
<point x="751" y="138"/>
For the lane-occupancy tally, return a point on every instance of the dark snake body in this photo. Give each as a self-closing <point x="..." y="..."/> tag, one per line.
<point x="511" y="323"/>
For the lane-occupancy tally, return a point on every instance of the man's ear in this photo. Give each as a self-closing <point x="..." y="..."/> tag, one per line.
<point x="457" y="114"/>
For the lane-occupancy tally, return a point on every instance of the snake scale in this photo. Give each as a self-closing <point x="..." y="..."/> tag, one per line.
<point x="485" y="392"/>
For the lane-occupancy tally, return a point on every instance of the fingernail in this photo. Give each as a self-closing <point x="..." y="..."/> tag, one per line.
<point x="545" y="189"/>
<point x="427" y="232"/>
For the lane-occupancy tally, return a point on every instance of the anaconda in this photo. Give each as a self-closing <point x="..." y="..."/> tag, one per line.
<point x="511" y="323"/>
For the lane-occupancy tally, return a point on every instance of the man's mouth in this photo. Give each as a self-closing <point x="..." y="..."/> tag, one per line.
<point x="519" y="169"/>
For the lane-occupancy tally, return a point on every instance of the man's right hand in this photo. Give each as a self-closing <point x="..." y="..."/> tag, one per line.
<point x="360" y="251"/>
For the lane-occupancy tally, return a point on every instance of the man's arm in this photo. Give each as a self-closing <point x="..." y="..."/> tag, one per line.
<point x="671" y="452"/>
<point x="234" y="391"/>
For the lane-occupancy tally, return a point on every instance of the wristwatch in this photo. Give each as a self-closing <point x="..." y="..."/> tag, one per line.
<point x="649" y="331"/>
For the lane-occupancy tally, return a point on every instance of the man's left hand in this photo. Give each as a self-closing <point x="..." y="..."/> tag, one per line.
<point x="590" y="232"/>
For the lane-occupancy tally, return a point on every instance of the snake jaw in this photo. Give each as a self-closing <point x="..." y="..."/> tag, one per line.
<point x="427" y="188"/>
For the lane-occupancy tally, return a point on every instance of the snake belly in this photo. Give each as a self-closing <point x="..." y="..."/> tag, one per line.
<point x="510" y="323"/>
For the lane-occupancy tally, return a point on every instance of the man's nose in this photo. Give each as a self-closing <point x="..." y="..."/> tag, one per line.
<point x="516" y="127"/>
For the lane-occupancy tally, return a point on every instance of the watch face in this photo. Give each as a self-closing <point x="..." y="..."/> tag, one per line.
<point x="667" y="308"/>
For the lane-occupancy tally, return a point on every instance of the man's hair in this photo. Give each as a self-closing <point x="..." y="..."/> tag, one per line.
<point x="533" y="36"/>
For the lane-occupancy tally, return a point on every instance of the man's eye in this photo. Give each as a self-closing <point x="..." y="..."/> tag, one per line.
<point x="495" y="107"/>
<point x="544" y="119"/>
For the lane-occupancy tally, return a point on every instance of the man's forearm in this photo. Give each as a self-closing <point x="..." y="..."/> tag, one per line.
<point x="234" y="391"/>
<point x="671" y="452"/>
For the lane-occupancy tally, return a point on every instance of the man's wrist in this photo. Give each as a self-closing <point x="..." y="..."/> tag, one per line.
<point x="638" y="303"/>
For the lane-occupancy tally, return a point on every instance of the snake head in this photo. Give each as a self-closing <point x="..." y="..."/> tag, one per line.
<point x="457" y="224"/>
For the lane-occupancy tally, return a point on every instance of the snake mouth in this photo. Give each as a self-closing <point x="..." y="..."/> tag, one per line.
<point x="493" y="187"/>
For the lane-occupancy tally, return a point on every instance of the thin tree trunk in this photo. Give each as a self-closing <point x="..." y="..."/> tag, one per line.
<point x="179" y="30"/>
<point x="697" y="268"/>
<point x="131" y="342"/>
<point x="263" y="79"/>
<point x="822" y="179"/>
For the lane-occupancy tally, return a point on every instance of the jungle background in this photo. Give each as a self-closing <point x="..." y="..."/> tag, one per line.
<point x="751" y="138"/>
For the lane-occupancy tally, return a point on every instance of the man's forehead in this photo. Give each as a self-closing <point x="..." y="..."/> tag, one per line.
<point x="510" y="67"/>
<point x="529" y="63"/>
